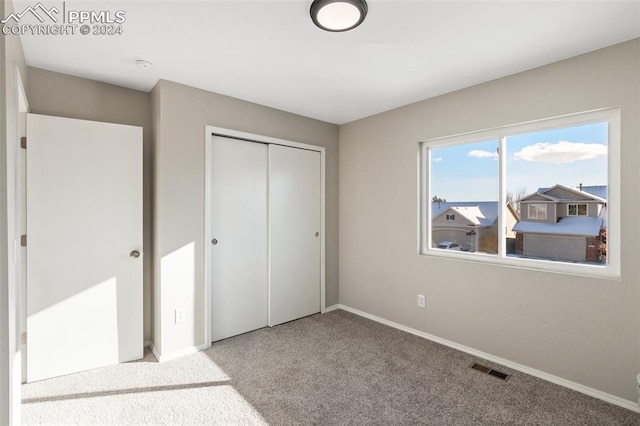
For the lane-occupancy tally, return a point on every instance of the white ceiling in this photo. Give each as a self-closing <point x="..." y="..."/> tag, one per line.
<point x="269" y="52"/>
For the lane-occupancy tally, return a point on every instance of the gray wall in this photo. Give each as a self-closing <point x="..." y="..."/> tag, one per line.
<point x="586" y="330"/>
<point x="181" y="114"/>
<point x="63" y="95"/>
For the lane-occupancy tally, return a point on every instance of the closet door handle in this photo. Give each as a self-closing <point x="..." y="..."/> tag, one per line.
<point x="214" y="241"/>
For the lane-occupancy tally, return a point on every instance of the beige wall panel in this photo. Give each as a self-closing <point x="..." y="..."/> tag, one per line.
<point x="179" y="195"/>
<point x="586" y="330"/>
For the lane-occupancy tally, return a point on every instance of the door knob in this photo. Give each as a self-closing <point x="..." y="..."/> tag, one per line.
<point x="214" y="241"/>
<point x="135" y="254"/>
<point x="317" y="234"/>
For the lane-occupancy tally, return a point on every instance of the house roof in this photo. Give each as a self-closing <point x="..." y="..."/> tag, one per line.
<point x="481" y="213"/>
<point x="540" y="194"/>
<point x="603" y="216"/>
<point x="597" y="193"/>
<point x="582" y="225"/>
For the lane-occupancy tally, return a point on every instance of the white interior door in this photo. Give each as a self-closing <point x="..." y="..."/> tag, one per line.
<point x="239" y="231"/>
<point x="84" y="220"/>
<point x="294" y="233"/>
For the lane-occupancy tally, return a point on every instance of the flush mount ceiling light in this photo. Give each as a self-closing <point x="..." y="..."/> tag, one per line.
<point x="338" y="15"/>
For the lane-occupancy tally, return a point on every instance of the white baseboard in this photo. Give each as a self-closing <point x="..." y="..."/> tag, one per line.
<point x="154" y="351"/>
<point x="177" y="354"/>
<point x="630" y="405"/>
<point x="331" y="308"/>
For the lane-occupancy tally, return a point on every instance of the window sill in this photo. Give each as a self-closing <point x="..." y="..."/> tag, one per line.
<point x="608" y="272"/>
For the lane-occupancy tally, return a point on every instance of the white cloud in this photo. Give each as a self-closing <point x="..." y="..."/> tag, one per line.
<point x="437" y="159"/>
<point x="561" y="152"/>
<point x="482" y="154"/>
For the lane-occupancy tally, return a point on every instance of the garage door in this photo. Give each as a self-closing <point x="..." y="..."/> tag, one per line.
<point x="555" y="247"/>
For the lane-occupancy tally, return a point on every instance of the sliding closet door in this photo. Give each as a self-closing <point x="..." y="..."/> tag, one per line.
<point x="294" y="233"/>
<point x="239" y="245"/>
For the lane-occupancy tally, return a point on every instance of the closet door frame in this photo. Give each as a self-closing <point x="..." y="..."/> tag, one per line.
<point x="211" y="131"/>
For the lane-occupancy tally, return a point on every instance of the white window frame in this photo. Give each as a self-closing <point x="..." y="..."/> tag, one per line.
<point x="538" y="211"/>
<point x="578" y="209"/>
<point x="611" y="270"/>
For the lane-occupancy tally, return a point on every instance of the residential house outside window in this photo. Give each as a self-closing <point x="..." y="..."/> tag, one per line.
<point x="542" y="195"/>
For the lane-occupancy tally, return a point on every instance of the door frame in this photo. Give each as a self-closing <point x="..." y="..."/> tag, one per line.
<point x="11" y="354"/>
<point x="21" y="222"/>
<point x="210" y="132"/>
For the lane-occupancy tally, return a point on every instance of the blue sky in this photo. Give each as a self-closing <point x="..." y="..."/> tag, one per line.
<point x="568" y="156"/>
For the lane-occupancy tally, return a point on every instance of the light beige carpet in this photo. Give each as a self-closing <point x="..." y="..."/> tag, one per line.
<point x="329" y="369"/>
<point x="190" y="390"/>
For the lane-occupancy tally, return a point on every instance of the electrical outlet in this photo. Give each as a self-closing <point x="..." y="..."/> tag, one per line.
<point x="421" y="301"/>
<point x="179" y="316"/>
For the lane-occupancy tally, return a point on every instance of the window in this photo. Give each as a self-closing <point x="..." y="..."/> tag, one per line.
<point x="472" y="190"/>
<point x="538" y="211"/>
<point x="577" y="210"/>
<point x="510" y="185"/>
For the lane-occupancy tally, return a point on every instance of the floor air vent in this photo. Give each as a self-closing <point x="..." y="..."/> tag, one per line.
<point x="495" y="373"/>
